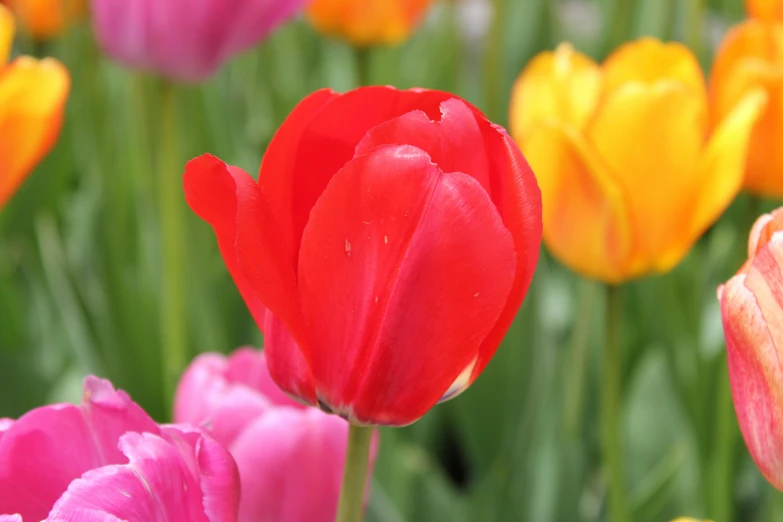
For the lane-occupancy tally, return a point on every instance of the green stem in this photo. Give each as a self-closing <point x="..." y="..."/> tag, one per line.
<point x="620" y="26"/>
<point x="171" y="213"/>
<point x="363" y="55"/>
<point x="351" y="504"/>
<point x="580" y="343"/>
<point x="726" y="433"/>
<point x="493" y="69"/>
<point x="694" y="21"/>
<point x="610" y="404"/>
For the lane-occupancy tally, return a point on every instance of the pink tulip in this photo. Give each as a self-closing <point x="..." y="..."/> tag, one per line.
<point x="290" y="457"/>
<point x="184" y="40"/>
<point x="107" y="460"/>
<point x="752" y="309"/>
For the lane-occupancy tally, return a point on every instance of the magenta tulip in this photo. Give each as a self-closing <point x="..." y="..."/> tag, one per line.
<point x="107" y="460"/>
<point x="183" y="40"/>
<point x="290" y="456"/>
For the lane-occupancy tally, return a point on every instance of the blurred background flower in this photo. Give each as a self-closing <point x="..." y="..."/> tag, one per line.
<point x="46" y="19"/>
<point x="368" y="22"/>
<point x="182" y="40"/>
<point x="751" y="57"/>
<point x="32" y="100"/>
<point x="629" y="173"/>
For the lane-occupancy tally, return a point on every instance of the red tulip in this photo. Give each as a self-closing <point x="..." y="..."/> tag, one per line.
<point x="752" y="310"/>
<point x="392" y="236"/>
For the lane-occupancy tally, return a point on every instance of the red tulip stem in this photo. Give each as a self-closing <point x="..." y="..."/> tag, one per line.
<point x="172" y="237"/>
<point x="351" y="506"/>
<point x="610" y="405"/>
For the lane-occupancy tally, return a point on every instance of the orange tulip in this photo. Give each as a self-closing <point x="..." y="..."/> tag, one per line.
<point x="768" y="10"/>
<point x="751" y="57"/>
<point x="367" y="22"/>
<point x="45" y="19"/>
<point x="629" y="172"/>
<point x="32" y="99"/>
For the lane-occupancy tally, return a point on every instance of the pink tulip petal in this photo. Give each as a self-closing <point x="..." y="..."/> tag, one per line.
<point x="248" y="366"/>
<point x="160" y="483"/>
<point x="290" y="465"/>
<point x="43" y="451"/>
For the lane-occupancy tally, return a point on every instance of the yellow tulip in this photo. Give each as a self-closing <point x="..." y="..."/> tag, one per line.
<point x="629" y="172"/>
<point x="32" y="99"/>
<point x="45" y="19"/>
<point x="751" y="57"/>
<point x="367" y="22"/>
<point x="686" y="519"/>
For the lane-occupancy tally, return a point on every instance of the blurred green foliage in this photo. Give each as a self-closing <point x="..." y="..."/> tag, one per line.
<point x="80" y="278"/>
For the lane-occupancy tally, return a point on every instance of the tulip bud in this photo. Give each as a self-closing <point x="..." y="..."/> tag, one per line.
<point x="752" y="310"/>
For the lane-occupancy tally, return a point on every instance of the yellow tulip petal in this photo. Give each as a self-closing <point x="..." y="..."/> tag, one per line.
<point x="32" y="100"/>
<point x="6" y="34"/>
<point x="586" y="222"/>
<point x="561" y="86"/>
<point x="367" y="22"/>
<point x="769" y="10"/>
<point x="686" y="519"/>
<point x="651" y="138"/>
<point x="722" y="165"/>
<point x="648" y="60"/>
<point x="750" y="58"/>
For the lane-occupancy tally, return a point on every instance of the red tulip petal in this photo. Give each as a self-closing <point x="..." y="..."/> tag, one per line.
<point x="517" y="197"/>
<point x="248" y="236"/>
<point x="403" y="271"/>
<point x="212" y="189"/>
<point x="319" y="138"/>
<point x="755" y="374"/>
<point x="453" y="141"/>
<point x="276" y="175"/>
<point x="285" y="361"/>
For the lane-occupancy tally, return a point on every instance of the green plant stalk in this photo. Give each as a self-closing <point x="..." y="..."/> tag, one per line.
<point x="170" y="214"/>
<point x="722" y="470"/>
<point x="351" y="506"/>
<point x="493" y="60"/>
<point x="577" y="368"/>
<point x="363" y="56"/>
<point x="611" y="440"/>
